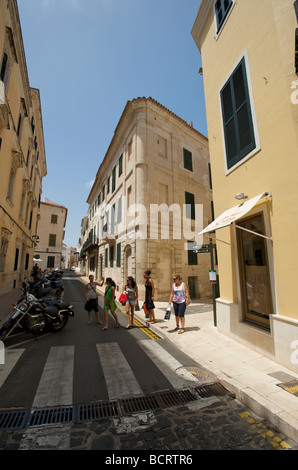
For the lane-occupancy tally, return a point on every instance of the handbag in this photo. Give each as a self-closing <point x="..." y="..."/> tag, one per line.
<point x="87" y="306"/>
<point x="123" y="298"/>
<point x="144" y="307"/>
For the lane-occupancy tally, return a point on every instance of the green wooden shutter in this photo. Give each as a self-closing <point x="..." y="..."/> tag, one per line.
<point x="237" y="116"/>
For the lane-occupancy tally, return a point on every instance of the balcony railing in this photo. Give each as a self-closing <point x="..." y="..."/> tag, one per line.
<point x="89" y="244"/>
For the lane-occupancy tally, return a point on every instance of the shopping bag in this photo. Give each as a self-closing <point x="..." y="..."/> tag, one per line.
<point x="168" y="314"/>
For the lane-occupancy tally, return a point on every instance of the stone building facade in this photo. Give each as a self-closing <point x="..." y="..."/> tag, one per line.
<point x="50" y="231"/>
<point x="22" y="154"/>
<point x="151" y="195"/>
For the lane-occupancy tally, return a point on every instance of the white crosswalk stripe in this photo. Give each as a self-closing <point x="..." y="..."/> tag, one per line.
<point x="56" y="384"/>
<point x="11" y="358"/>
<point x="167" y="364"/>
<point x="120" y="379"/>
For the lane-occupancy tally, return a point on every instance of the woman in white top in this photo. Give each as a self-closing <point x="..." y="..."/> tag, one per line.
<point x="180" y="298"/>
<point x="91" y="298"/>
<point x="131" y="290"/>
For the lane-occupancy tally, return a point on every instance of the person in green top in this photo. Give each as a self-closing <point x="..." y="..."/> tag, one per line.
<point x="109" y="303"/>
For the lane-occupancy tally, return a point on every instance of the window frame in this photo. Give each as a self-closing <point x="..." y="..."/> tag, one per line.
<point x="257" y="147"/>
<point x="187" y="160"/>
<point x="52" y="239"/>
<point x="190" y="201"/>
<point x="218" y="28"/>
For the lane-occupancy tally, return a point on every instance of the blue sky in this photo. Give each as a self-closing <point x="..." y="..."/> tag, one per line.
<point x="88" y="58"/>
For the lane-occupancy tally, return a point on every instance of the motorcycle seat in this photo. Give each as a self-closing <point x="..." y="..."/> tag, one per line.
<point x="51" y="310"/>
<point x="62" y="305"/>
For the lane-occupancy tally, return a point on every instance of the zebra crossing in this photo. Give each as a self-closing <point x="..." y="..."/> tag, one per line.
<point x="56" y="384"/>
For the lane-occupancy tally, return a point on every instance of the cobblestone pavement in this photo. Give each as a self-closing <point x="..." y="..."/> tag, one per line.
<point x="216" y="423"/>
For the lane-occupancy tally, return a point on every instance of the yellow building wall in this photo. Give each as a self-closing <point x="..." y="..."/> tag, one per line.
<point x="17" y="225"/>
<point x="265" y="31"/>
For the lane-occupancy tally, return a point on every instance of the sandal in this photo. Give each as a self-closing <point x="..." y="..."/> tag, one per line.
<point x="180" y="332"/>
<point x="104" y="329"/>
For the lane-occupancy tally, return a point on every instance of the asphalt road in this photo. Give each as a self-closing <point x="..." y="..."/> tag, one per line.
<point x="83" y="365"/>
<point x="96" y="361"/>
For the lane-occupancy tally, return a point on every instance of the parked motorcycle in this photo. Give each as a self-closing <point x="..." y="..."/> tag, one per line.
<point x="34" y="315"/>
<point x="48" y="285"/>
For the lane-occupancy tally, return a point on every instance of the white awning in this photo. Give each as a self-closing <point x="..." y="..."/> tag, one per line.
<point x="233" y="214"/>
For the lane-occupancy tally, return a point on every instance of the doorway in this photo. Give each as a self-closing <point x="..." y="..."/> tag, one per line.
<point x="254" y="271"/>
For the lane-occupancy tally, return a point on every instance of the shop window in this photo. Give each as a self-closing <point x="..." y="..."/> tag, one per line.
<point x="254" y="271"/>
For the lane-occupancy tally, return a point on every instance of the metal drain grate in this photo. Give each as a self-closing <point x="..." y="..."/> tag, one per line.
<point x="51" y="416"/>
<point x="20" y="419"/>
<point x="97" y="411"/>
<point x="175" y="397"/>
<point x="134" y="404"/>
<point x="291" y="386"/>
<point x="14" y="419"/>
<point x="156" y="401"/>
<point x="214" y="389"/>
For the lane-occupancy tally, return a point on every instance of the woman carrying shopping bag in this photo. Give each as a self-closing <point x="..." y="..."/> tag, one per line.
<point x="180" y="298"/>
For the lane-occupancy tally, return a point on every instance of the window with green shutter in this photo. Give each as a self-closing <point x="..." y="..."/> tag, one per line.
<point x="187" y="156"/>
<point x="237" y="116"/>
<point x="114" y="179"/>
<point x="52" y="239"/>
<point x="192" y="256"/>
<point x="106" y="257"/>
<point x="190" y="205"/>
<point x="120" y="165"/>
<point x="118" y="255"/>
<point x="111" y="256"/>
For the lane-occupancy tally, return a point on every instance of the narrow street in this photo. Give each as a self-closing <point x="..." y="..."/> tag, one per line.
<point x="84" y="388"/>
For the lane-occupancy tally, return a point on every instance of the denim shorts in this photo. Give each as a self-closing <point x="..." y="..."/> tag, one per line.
<point x="179" y="309"/>
<point x="132" y="302"/>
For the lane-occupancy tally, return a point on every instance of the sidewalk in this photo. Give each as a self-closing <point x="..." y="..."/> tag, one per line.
<point x="251" y="376"/>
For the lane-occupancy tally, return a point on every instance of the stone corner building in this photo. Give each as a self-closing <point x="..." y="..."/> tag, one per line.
<point x="151" y="194"/>
<point x="22" y="154"/>
<point x="50" y="231"/>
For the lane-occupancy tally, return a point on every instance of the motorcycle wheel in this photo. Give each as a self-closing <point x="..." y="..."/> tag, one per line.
<point x="60" y="323"/>
<point x="6" y="330"/>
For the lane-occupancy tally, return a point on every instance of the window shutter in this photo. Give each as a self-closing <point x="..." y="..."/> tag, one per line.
<point x="190" y="206"/>
<point x="118" y="255"/>
<point x="187" y="155"/>
<point x="237" y="117"/>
